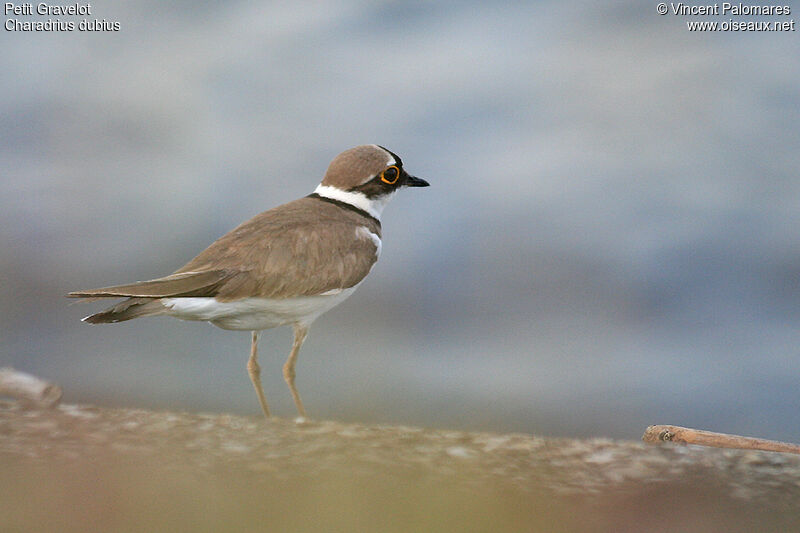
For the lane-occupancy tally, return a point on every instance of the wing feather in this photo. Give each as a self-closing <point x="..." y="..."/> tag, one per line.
<point x="182" y="284"/>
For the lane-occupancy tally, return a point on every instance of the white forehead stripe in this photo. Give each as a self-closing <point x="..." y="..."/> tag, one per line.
<point x="391" y="160"/>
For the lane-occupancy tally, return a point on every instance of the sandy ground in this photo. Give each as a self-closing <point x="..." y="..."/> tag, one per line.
<point x="83" y="468"/>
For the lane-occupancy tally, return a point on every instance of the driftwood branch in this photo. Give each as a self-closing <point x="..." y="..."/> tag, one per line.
<point x="28" y="389"/>
<point x="656" y="434"/>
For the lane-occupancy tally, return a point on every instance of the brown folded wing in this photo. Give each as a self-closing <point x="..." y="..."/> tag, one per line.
<point x="302" y="248"/>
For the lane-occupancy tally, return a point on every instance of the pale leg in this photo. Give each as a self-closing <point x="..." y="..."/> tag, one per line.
<point x="300" y="332"/>
<point x="255" y="373"/>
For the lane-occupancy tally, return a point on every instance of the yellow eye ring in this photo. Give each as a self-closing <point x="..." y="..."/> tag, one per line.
<point x="388" y="180"/>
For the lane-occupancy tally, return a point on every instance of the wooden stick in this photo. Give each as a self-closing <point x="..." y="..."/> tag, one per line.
<point x="656" y="434"/>
<point x="28" y="388"/>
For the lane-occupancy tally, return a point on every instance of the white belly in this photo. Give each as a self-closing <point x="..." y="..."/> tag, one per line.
<point x="255" y="314"/>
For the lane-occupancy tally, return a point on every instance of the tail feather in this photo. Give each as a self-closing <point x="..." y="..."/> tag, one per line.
<point x="127" y="310"/>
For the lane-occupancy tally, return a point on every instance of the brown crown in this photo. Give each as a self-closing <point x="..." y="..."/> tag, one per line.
<point x="356" y="166"/>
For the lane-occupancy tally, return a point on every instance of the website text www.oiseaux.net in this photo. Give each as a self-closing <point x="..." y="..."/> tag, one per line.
<point x="738" y="25"/>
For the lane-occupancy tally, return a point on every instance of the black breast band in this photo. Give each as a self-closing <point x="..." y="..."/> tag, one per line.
<point x="345" y="205"/>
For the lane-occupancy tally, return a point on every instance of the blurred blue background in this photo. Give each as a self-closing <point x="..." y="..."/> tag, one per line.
<point x="610" y="239"/>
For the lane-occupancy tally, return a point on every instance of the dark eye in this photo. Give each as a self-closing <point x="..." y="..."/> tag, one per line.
<point x="390" y="175"/>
